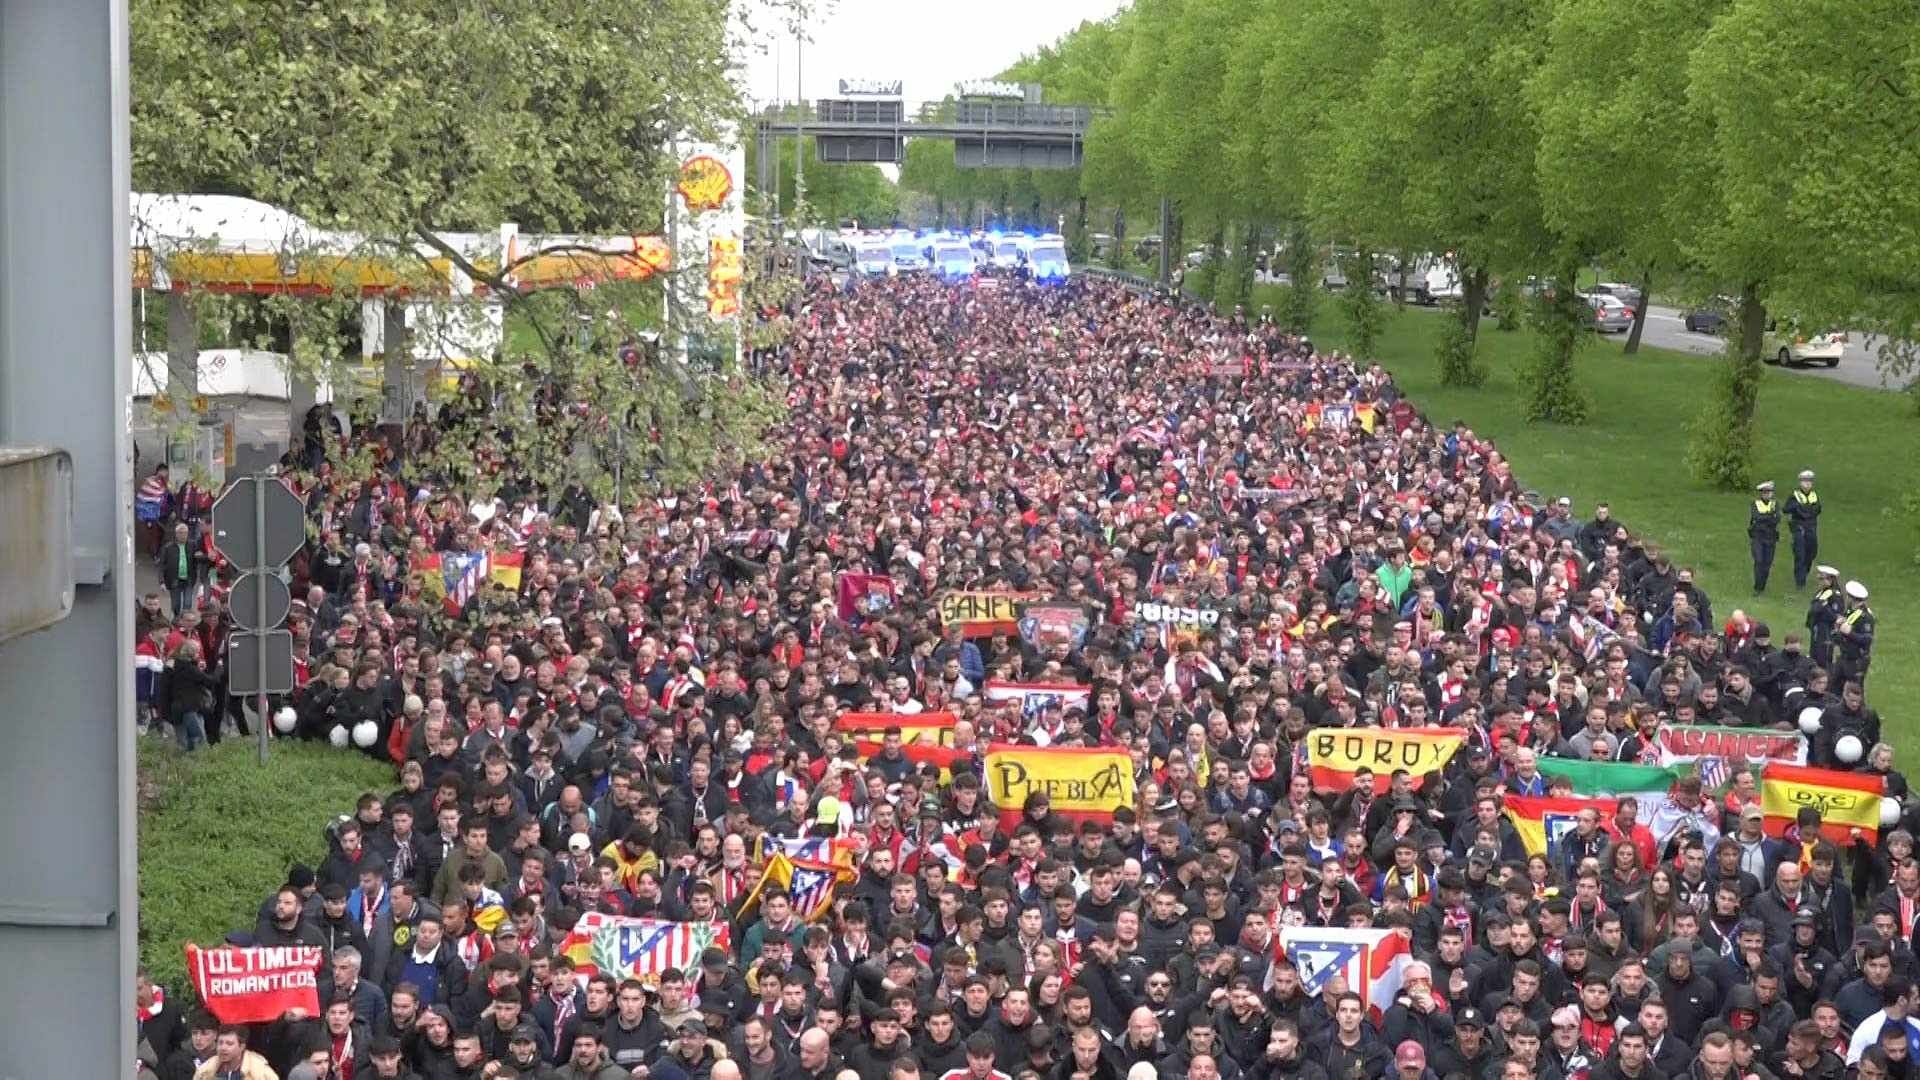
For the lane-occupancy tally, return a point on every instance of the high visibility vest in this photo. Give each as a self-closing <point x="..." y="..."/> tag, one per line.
<point x="1762" y="507"/>
<point x="1807" y="498"/>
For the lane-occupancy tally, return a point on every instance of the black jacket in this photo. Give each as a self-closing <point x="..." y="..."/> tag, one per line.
<point x="1368" y="1059"/>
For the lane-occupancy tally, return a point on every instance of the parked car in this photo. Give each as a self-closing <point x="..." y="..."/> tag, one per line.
<point x="1610" y="316"/>
<point x="1626" y="294"/>
<point x="1792" y="346"/>
<point x="1705" y="320"/>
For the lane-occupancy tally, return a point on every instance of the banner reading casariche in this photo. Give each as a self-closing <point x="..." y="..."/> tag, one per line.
<point x="1753" y="746"/>
<point x="1080" y="783"/>
<point x="1334" y="754"/>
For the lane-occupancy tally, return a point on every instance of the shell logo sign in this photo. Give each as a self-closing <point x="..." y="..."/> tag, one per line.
<point x="725" y="268"/>
<point x="705" y="183"/>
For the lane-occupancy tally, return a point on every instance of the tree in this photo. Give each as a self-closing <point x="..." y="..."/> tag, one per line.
<point x="1447" y="95"/>
<point x="835" y="193"/>
<point x="1608" y="189"/>
<point x="396" y="121"/>
<point x="1739" y="212"/>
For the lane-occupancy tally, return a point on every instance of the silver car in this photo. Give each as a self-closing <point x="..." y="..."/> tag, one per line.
<point x="1610" y="316"/>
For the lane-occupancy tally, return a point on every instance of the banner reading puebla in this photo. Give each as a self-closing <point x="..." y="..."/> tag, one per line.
<point x="982" y="614"/>
<point x="1081" y="784"/>
<point x="1754" y="746"/>
<point x="257" y="984"/>
<point x="1335" y="754"/>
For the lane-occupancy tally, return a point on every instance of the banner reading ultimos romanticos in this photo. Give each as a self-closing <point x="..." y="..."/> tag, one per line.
<point x="982" y="614"/>
<point x="1081" y="784"/>
<point x="1335" y="754"/>
<point x="258" y="984"/>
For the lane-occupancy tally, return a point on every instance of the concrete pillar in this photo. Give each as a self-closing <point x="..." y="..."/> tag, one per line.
<point x="70" y="935"/>
<point x="396" y="374"/>
<point x="183" y="352"/>
<point x="300" y="395"/>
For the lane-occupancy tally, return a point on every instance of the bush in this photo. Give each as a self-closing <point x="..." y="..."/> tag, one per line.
<point x="1365" y="315"/>
<point x="1720" y="439"/>
<point x="218" y="830"/>
<point x="1456" y="356"/>
<point x="1546" y="378"/>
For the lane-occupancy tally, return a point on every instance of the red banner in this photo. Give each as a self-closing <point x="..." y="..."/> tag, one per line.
<point x="929" y="728"/>
<point x="255" y="985"/>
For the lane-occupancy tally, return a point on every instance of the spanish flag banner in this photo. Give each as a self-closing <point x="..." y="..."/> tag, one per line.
<point x="1335" y="754"/>
<point x="941" y="757"/>
<point x="1846" y="800"/>
<point x="1541" y="820"/>
<point x="1081" y="784"/>
<point x="927" y="728"/>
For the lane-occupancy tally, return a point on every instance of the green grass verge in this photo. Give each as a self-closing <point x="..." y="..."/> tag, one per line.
<point x="1861" y="443"/>
<point x="217" y="831"/>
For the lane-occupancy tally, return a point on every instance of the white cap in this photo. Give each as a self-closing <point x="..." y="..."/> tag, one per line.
<point x="580" y="842"/>
<point x="1764" y="485"/>
<point x="1856" y="590"/>
<point x="1806" y="474"/>
<point x="1826" y="571"/>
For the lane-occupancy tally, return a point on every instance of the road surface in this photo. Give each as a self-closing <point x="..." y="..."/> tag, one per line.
<point x="1666" y="329"/>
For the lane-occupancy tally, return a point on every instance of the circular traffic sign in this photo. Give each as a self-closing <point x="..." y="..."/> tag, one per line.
<point x="250" y="592"/>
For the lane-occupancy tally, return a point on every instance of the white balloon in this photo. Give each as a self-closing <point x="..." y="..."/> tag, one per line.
<point x="1810" y="719"/>
<point x="1848" y="749"/>
<point x="365" y="734"/>
<point x="284" y="719"/>
<point x="338" y="736"/>
<point x="1889" y="811"/>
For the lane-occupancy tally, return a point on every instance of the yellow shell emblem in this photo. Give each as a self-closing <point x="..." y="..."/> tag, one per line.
<point x="705" y="183"/>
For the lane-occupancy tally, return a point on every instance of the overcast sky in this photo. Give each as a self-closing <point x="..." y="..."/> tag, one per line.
<point x="927" y="44"/>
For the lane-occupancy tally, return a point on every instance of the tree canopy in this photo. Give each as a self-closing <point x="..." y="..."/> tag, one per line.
<point x="398" y="122"/>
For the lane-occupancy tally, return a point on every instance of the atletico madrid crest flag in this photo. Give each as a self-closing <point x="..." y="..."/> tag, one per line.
<point x="1542" y="819"/>
<point x="1846" y="800"/>
<point x="1373" y="962"/>
<point x="454" y="577"/>
<point x="623" y="947"/>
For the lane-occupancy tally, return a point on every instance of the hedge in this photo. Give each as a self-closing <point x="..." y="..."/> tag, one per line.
<point x="218" y="831"/>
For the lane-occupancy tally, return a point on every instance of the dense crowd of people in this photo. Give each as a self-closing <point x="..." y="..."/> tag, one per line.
<point x="629" y="729"/>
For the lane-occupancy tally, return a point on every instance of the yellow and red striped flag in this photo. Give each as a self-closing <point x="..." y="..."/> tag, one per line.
<point x="1846" y="800"/>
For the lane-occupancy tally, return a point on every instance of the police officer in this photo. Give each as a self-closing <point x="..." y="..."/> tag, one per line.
<point x="1823" y="611"/>
<point x="1803" y="524"/>
<point x="1853" y="637"/>
<point x="1763" y="533"/>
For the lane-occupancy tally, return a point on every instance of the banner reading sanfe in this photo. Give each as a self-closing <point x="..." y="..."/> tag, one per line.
<point x="982" y="614"/>
<point x="257" y="984"/>
<point x="1334" y="754"/>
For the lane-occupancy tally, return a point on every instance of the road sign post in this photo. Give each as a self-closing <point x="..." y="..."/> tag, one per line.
<point x="258" y="524"/>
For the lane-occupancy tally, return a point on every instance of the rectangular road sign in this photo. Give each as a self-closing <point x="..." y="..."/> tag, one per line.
<point x="244" y="671"/>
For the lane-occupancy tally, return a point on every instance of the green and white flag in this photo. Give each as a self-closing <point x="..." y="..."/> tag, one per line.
<point x="1647" y="785"/>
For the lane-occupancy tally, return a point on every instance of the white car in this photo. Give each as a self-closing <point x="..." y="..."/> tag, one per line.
<point x="1793" y="347"/>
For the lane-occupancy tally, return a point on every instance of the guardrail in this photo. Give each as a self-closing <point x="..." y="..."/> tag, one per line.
<point x="1135" y="282"/>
